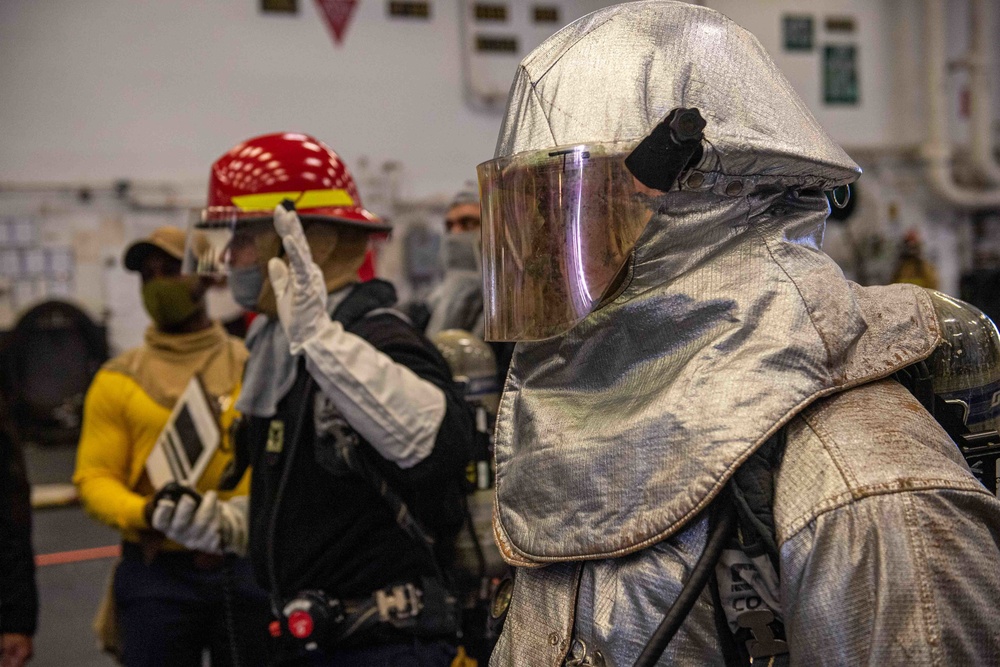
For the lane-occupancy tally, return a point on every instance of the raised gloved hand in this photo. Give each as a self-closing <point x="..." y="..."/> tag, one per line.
<point x="211" y="525"/>
<point x="387" y="403"/>
<point x="299" y="288"/>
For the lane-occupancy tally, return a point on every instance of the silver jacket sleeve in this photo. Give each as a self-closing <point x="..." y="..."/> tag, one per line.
<point x="906" y="578"/>
<point x="890" y="548"/>
<point x="393" y="408"/>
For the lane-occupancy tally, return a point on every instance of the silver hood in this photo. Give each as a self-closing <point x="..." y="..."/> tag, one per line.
<point x="614" y="435"/>
<point x="613" y="75"/>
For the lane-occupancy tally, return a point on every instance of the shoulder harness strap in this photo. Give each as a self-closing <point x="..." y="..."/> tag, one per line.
<point x="746" y="589"/>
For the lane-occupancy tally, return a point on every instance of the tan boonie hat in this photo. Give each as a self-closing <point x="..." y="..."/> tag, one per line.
<point x="168" y="239"/>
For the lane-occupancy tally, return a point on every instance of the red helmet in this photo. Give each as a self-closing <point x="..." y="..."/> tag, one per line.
<point x="258" y="174"/>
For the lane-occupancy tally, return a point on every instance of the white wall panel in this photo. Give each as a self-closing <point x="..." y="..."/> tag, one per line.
<point x="157" y="90"/>
<point x="154" y="91"/>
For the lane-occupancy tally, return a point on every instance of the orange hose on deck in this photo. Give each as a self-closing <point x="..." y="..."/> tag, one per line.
<point x="77" y="556"/>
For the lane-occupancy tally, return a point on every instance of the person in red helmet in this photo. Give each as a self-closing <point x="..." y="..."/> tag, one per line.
<point x="355" y="431"/>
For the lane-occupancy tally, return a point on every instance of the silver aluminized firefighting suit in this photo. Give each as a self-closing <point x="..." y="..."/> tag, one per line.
<point x="732" y="324"/>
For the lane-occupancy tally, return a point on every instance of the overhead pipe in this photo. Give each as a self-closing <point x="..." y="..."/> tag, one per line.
<point x="937" y="150"/>
<point x="72" y="187"/>
<point x="980" y="64"/>
<point x="141" y="196"/>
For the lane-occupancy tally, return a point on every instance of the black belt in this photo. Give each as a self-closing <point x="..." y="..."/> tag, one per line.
<point x="198" y="560"/>
<point x="389" y="615"/>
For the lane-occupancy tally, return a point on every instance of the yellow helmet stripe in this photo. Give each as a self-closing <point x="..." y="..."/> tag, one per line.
<point x="324" y="198"/>
<point x="266" y="201"/>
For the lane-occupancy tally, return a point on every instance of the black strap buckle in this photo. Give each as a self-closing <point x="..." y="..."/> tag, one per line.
<point x="764" y="644"/>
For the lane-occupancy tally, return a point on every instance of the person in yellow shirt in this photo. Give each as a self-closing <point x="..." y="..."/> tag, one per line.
<point x="912" y="267"/>
<point x="170" y="603"/>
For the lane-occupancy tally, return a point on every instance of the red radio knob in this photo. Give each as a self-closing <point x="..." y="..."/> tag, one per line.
<point x="300" y="624"/>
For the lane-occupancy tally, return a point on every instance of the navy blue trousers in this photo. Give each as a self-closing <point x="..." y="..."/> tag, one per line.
<point x="170" y="611"/>
<point x="417" y="654"/>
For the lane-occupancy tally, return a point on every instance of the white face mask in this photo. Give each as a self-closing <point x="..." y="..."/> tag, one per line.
<point x="221" y="305"/>
<point x="461" y="251"/>
<point x="245" y="283"/>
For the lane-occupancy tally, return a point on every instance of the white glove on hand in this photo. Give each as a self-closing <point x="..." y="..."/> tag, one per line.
<point x="213" y="526"/>
<point x="301" y="297"/>
<point x="388" y="404"/>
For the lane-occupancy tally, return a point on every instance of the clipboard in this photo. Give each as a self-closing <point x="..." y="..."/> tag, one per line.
<point x="188" y="441"/>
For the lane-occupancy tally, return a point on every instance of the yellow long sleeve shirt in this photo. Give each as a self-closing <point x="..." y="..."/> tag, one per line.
<point x="121" y="423"/>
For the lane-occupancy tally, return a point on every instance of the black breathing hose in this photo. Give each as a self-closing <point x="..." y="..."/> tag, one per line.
<point x="470" y="524"/>
<point x="272" y="524"/>
<point x="672" y="620"/>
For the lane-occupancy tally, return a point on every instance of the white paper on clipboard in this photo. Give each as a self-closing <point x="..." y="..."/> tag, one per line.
<point x="188" y="441"/>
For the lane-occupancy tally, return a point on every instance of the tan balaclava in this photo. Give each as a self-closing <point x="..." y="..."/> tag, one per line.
<point x="338" y="250"/>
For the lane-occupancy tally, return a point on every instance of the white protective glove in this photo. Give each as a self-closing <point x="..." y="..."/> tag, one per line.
<point x="213" y="526"/>
<point x="301" y="300"/>
<point x="388" y="404"/>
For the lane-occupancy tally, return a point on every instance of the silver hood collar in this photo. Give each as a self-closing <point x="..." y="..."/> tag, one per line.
<point x="615" y="435"/>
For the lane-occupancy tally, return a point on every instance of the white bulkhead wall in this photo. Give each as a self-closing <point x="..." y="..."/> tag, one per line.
<point x="889" y="35"/>
<point x="109" y="89"/>
<point x="154" y="91"/>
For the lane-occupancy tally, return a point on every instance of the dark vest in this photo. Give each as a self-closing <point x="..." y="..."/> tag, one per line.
<point x="333" y="531"/>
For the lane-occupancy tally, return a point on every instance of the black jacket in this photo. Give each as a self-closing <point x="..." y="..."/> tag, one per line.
<point x="18" y="594"/>
<point x="332" y="530"/>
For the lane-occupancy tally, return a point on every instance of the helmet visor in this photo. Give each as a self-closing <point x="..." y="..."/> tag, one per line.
<point x="558" y="225"/>
<point x="221" y="238"/>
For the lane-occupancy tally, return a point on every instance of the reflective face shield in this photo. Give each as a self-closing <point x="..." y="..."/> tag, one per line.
<point x="221" y="238"/>
<point x="558" y="225"/>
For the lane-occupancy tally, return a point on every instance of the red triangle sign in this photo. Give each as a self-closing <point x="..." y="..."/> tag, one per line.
<point x="338" y="15"/>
